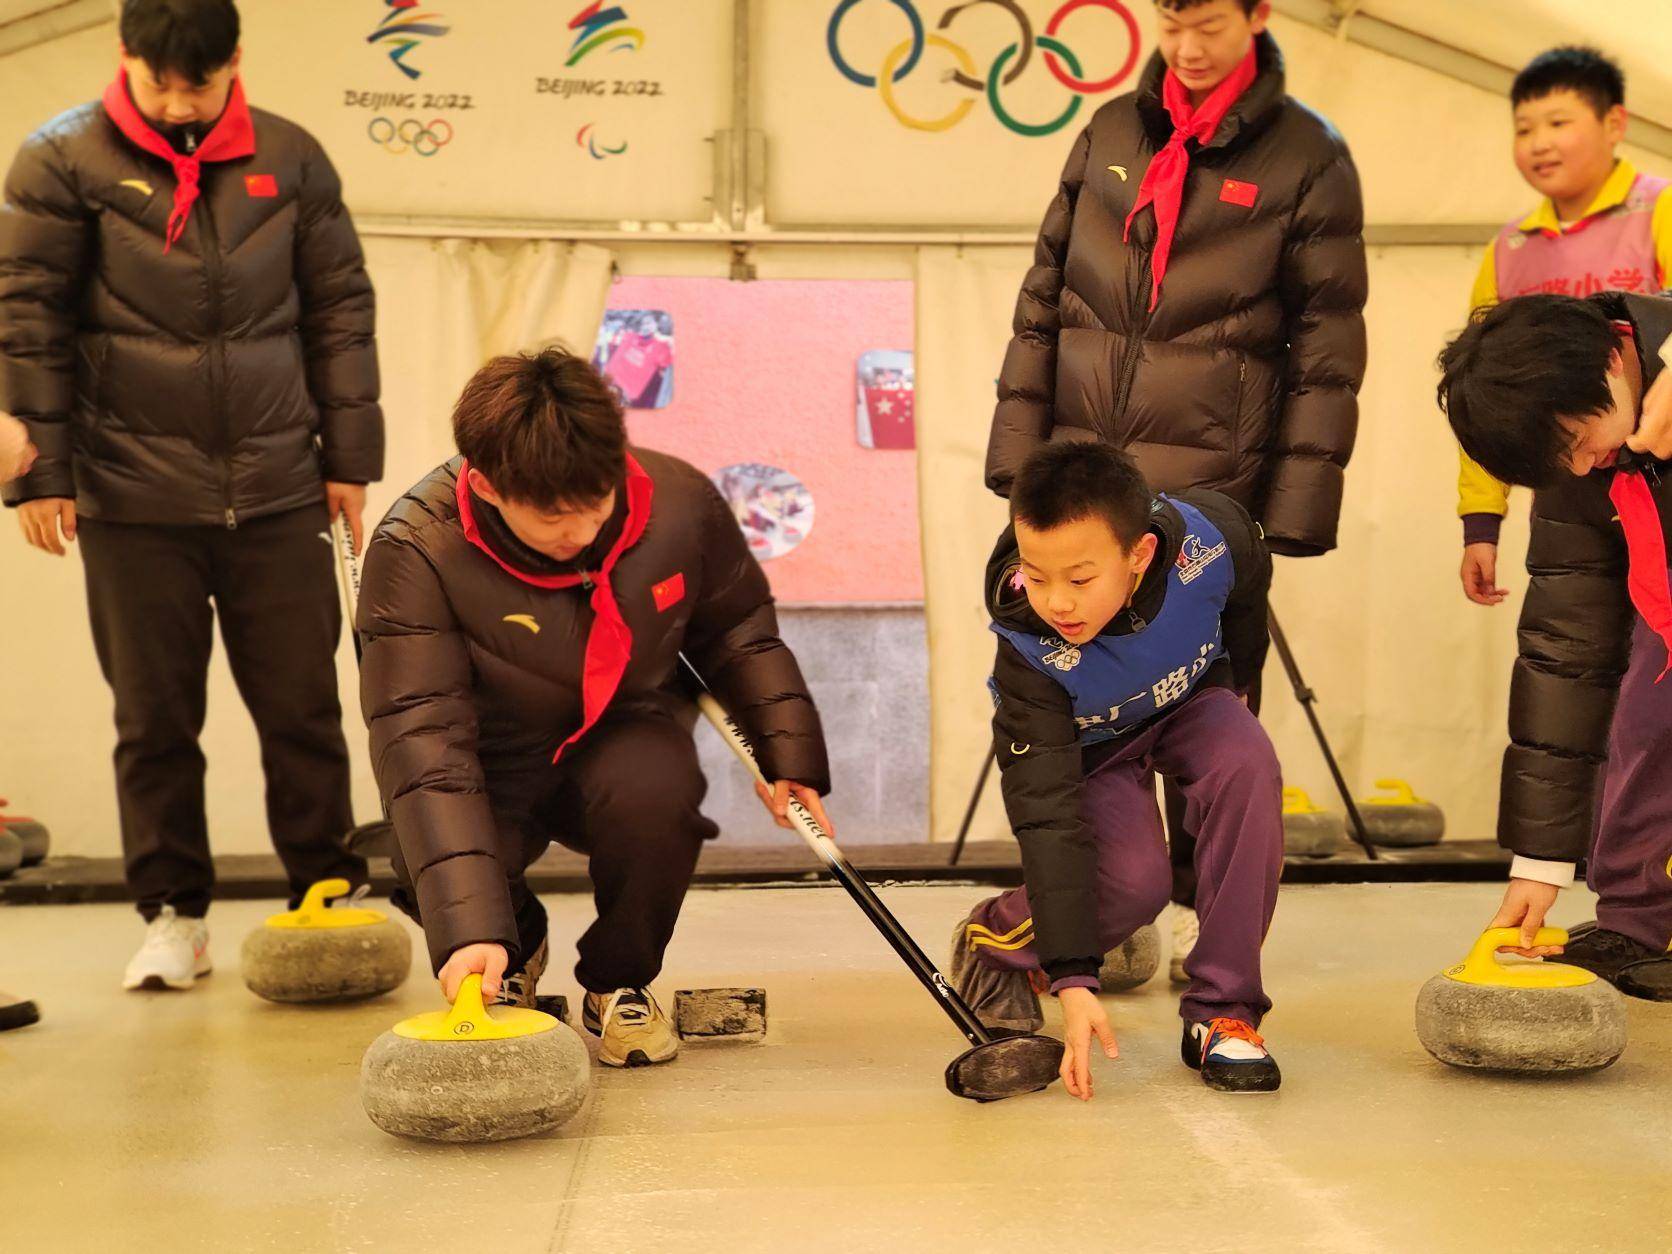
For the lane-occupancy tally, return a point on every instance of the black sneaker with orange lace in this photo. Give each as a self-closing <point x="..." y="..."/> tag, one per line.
<point x="1231" y="1056"/>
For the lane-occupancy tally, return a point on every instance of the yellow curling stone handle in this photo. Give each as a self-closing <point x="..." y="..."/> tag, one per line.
<point x="316" y="911"/>
<point x="1299" y="801"/>
<point x="1482" y="965"/>
<point x="469" y="1020"/>
<point x="1403" y="794"/>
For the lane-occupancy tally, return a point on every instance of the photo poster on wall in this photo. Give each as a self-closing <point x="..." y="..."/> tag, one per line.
<point x="521" y="109"/>
<point x="773" y="508"/>
<point x="635" y="353"/>
<point x="886" y="411"/>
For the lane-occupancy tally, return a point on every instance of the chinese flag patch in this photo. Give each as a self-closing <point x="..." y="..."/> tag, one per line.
<point x="669" y="593"/>
<point x="264" y="185"/>
<point x="1237" y="193"/>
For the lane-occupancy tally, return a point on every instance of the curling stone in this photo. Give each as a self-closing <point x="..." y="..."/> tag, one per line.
<point x="1133" y="962"/>
<point x="1525" y="1018"/>
<point x="720" y="1014"/>
<point x="1401" y="820"/>
<point x="35" y="838"/>
<point x="464" y="1075"/>
<point x="1308" y="830"/>
<point x="11" y="853"/>
<point x="319" y="952"/>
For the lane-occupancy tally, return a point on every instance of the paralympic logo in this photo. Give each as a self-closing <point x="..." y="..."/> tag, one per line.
<point x="403" y="28"/>
<point x="590" y="143"/>
<point x="410" y="135"/>
<point x="1007" y="67"/>
<point x="596" y="26"/>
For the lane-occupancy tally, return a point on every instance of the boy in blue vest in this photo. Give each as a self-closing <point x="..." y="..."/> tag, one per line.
<point x="1128" y="624"/>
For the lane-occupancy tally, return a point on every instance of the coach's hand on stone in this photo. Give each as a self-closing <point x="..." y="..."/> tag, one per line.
<point x="47" y="523"/>
<point x="1083" y="1017"/>
<point x="1654" y="427"/>
<point x="488" y="961"/>
<point x="1480" y="574"/>
<point x="777" y="801"/>
<point x="17" y="454"/>
<point x="349" y="500"/>
<point x="1526" y="902"/>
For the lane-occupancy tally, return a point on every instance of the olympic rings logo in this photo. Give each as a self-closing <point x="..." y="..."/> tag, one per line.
<point x="411" y="135"/>
<point x="1007" y="67"/>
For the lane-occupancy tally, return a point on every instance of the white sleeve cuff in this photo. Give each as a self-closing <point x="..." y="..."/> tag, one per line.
<point x="1559" y="874"/>
<point x="1666" y="352"/>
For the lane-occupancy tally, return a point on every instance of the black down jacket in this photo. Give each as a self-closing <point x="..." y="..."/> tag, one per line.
<point x="1042" y="787"/>
<point x="1575" y="635"/>
<point x="224" y="379"/>
<point x="1245" y="376"/>
<point x="472" y="674"/>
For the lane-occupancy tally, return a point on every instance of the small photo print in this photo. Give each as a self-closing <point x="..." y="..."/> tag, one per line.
<point x="886" y="415"/>
<point x="772" y="506"/>
<point x="635" y="353"/>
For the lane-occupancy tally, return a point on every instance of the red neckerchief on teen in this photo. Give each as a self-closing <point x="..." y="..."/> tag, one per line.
<point x="1647" y="579"/>
<point x="232" y="137"/>
<point x="1163" y="183"/>
<point x="609" y="645"/>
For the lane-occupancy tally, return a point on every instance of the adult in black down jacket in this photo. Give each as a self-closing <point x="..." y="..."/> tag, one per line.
<point x="1242" y="375"/>
<point x="186" y="328"/>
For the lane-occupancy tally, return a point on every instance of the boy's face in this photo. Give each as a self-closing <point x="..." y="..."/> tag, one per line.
<point x="1203" y="43"/>
<point x="1599" y="437"/>
<point x="170" y="99"/>
<point x="1562" y="148"/>
<point x="560" y="534"/>
<point x="1078" y="576"/>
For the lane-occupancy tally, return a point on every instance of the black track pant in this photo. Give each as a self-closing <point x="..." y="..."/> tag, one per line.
<point x="154" y="593"/>
<point x="1181" y="843"/>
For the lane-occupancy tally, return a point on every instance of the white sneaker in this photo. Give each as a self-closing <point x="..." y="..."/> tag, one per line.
<point x="175" y="953"/>
<point x="1186" y="928"/>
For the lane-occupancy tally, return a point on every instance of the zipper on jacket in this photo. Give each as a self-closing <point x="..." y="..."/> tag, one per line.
<point x="1236" y="419"/>
<point x="1134" y="344"/>
<point x="210" y="238"/>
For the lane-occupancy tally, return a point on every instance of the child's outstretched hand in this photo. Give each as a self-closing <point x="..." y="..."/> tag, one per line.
<point x="1083" y="1017"/>
<point x="1526" y="902"/>
<point x="1480" y="574"/>
<point x="488" y="961"/>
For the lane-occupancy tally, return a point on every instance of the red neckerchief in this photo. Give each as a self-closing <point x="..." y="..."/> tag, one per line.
<point x="1647" y="578"/>
<point x="232" y="137"/>
<point x="1163" y="183"/>
<point x="609" y="645"/>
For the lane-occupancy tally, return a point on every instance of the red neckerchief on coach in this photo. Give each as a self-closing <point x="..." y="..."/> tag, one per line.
<point x="609" y="645"/>
<point x="1163" y="183"/>
<point x="232" y="137"/>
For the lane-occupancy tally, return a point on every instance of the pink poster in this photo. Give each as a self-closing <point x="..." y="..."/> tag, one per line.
<point x="765" y="403"/>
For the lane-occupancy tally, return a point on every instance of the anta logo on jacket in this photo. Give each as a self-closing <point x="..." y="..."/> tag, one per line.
<point x="1120" y="681"/>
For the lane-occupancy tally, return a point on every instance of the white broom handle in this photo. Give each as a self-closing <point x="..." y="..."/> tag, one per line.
<point x="805" y="824"/>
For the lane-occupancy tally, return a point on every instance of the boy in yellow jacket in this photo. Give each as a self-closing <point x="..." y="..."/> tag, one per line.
<point x="1601" y="225"/>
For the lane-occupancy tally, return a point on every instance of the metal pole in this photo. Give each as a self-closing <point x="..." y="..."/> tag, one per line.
<point x="969" y="813"/>
<point x="1307" y="697"/>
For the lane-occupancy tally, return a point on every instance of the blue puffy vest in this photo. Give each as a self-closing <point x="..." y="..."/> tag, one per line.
<point x="1120" y="681"/>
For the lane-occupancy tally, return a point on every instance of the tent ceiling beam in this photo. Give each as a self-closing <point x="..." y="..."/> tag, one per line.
<point x="1341" y="18"/>
<point x="54" y="22"/>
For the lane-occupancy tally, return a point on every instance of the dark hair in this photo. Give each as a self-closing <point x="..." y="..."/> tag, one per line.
<point x="191" y="38"/>
<point x="1518" y="370"/>
<point x="1583" y="71"/>
<point x="1063" y="483"/>
<point x="1248" y="6"/>
<point x="544" y="428"/>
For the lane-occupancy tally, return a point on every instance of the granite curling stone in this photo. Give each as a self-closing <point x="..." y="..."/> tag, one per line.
<point x="1308" y="831"/>
<point x="322" y="953"/>
<point x="464" y="1076"/>
<point x="1133" y="962"/>
<point x="1401" y="820"/>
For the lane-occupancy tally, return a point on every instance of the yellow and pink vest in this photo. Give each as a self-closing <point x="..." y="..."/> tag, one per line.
<point x="1610" y="251"/>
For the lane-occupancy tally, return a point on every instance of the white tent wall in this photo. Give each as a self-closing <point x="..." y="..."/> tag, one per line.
<point x="1412" y="679"/>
